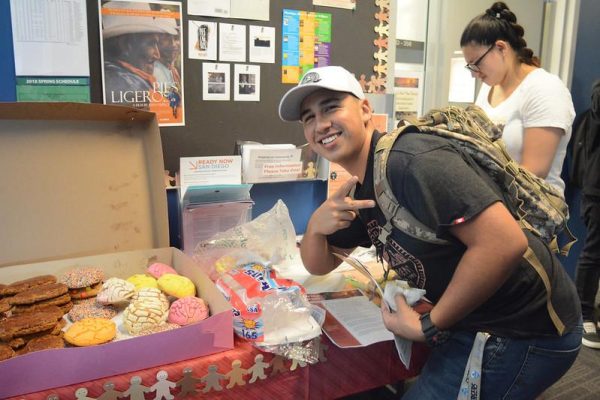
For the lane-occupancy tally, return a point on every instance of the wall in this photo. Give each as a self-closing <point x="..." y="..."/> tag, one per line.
<point x="212" y="127"/>
<point x="447" y="19"/>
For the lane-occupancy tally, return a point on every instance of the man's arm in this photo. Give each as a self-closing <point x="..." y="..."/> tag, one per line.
<point x="337" y="212"/>
<point x="495" y="244"/>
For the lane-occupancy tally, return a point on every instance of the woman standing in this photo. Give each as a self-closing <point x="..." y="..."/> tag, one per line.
<point x="533" y="106"/>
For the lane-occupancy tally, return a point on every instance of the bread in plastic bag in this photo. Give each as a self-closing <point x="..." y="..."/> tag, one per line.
<point x="267" y="310"/>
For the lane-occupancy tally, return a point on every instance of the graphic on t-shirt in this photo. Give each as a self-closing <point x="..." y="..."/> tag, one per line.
<point x="405" y="264"/>
<point x="373" y="230"/>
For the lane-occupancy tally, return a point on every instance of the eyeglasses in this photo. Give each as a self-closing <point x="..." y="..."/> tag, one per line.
<point x="474" y="66"/>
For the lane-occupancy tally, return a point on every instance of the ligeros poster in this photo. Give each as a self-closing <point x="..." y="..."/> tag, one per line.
<point x="142" y="57"/>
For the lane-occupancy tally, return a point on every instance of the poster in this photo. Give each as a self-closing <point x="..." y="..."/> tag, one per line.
<point x="305" y="43"/>
<point x="142" y="57"/>
<point x="408" y="93"/>
<point x="56" y="31"/>
<point x="202" y="40"/>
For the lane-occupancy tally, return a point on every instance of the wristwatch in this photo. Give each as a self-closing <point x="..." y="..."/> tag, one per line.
<point x="433" y="336"/>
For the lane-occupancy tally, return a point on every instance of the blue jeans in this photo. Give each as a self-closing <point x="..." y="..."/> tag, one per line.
<point x="512" y="368"/>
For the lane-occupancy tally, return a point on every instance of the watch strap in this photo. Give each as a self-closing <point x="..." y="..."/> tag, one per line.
<point x="433" y="336"/>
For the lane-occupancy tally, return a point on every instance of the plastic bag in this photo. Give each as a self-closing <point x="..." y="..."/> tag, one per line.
<point x="270" y="238"/>
<point x="267" y="310"/>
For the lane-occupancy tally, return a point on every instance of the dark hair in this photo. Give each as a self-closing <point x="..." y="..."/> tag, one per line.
<point x="499" y="23"/>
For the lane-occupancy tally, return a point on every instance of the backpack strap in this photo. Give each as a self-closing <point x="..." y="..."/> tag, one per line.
<point x="396" y="216"/>
<point x="536" y="264"/>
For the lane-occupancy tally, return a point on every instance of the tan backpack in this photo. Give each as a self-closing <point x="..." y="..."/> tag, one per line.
<point x="537" y="205"/>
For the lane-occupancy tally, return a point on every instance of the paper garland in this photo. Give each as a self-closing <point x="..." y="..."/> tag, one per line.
<point x="189" y="384"/>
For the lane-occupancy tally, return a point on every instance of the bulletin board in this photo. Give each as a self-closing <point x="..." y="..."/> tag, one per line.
<point x="212" y="127"/>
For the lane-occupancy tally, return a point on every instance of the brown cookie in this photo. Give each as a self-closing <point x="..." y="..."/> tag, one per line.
<point x="43" y="343"/>
<point x="39" y="293"/>
<point x="54" y="301"/>
<point x="27" y="323"/>
<point x="4" y="305"/>
<point x="6" y="352"/>
<point x="26" y="284"/>
<point x="20" y="341"/>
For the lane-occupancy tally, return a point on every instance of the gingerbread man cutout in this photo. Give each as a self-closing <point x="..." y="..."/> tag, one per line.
<point x="382" y="30"/>
<point x="381" y="42"/>
<point x="381" y="69"/>
<point x="212" y="379"/>
<point x="363" y="82"/>
<point x="258" y="369"/>
<point x="109" y="392"/>
<point x="136" y="390"/>
<point x="278" y="365"/>
<point x="382" y="16"/>
<point x="81" y="394"/>
<point x="381" y="56"/>
<point x="163" y="386"/>
<point x="236" y="375"/>
<point x="383" y="4"/>
<point x="187" y="383"/>
<point x="296" y="363"/>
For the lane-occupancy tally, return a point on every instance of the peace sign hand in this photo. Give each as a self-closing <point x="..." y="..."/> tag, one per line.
<point x="339" y="210"/>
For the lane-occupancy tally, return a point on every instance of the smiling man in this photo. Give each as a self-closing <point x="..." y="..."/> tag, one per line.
<point x="477" y="279"/>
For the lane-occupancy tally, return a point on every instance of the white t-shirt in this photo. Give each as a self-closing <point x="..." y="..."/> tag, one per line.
<point x="540" y="100"/>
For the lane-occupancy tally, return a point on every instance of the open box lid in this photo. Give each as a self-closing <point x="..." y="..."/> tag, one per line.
<point x="79" y="179"/>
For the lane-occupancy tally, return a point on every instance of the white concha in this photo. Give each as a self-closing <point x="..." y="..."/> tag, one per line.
<point x="115" y="291"/>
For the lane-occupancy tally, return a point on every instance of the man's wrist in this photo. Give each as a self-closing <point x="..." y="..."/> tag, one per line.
<point x="433" y="336"/>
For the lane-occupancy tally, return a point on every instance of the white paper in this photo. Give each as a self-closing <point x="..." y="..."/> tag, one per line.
<point x="52" y="31"/>
<point x="360" y="317"/>
<point x="215" y="81"/>
<point x="216" y="170"/>
<point x="202" y="42"/>
<point x="246" y="82"/>
<point x="262" y="44"/>
<point x="232" y="42"/>
<point x="347" y="4"/>
<point x="462" y="84"/>
<point x="412" y="295"/>
<point x="211" y="8"/>
<point x="260" y="160"/>
<point x="250" y="9"/>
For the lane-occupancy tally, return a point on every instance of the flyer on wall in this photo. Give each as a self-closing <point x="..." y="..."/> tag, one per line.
<point x="142" y="55"/>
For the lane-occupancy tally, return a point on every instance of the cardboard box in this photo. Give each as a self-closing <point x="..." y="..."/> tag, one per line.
<point x="86" y="180"/>
<point x="54" y="368"/>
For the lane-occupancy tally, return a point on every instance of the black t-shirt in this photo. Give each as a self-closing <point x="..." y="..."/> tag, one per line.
<point x="436" y="182"/>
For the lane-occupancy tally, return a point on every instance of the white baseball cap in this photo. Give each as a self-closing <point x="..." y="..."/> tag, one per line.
<point x="115" y="25"/>
<point x="332" y="77"/>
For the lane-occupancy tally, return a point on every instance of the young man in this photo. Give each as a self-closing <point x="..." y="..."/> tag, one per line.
<point x="478" y="282"/>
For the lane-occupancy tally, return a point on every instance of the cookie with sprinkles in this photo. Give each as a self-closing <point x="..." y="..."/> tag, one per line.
<point x="82" y="277"/>
<point x="90" y="308"/>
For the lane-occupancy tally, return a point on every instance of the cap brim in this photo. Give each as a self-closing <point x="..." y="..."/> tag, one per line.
<point x="289" y="107"/>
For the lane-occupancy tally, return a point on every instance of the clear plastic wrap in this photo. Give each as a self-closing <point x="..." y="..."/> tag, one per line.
<point x="270" y="239"/>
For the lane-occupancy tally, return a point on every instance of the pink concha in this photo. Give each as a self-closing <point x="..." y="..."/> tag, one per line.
<point x="188" y="310"/>
<point x="159" y="269"/>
